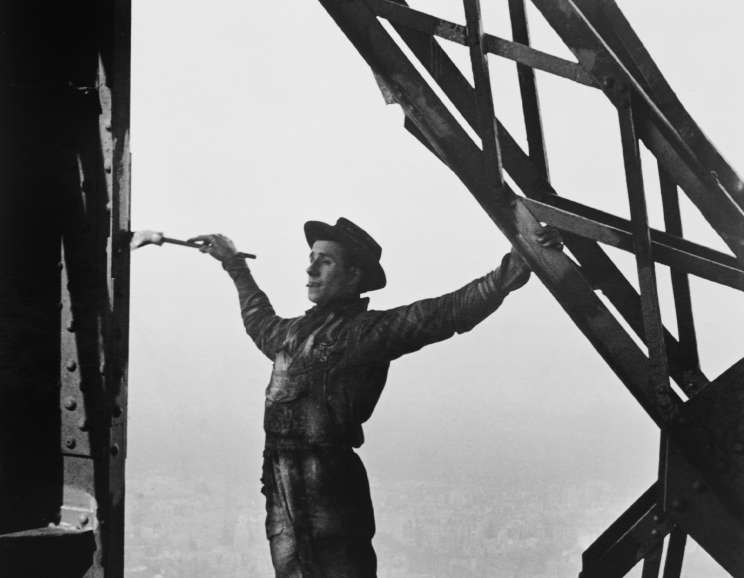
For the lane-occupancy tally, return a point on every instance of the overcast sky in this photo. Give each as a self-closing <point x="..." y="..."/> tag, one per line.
<point x="249" y="118"/>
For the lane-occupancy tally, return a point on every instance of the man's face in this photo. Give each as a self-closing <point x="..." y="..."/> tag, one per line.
<point x="328" y="277"/>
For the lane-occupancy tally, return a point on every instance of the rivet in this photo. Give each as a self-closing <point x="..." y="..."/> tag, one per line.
<point x="117" y="411"/>
<point x="102" y="368"/>
<point x="678" y="504"/>
<point x="60" y="305"/>
<point x="658" y="518"/>
<point x="739" y="447"/>
<point x="70" y="443"/>
<point x="60" y="265"/>
<point x="71" y="365"/>
<point x="83" y="519"/>
<point x="108" y="127"/>
<point x="654" y="532"/>
<point x="70" y="403"/>
<point x="108" y="169"/>
<point x="115" y="450"/>
<point x="608" y="82"/>
<point x="71" y="325"/>
<point x="82" y="424"/>
<point x="698" y="486"/>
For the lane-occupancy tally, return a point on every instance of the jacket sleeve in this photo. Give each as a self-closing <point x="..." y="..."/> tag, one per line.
<point x="263" y="325"/>
<point x="389" y="334"/>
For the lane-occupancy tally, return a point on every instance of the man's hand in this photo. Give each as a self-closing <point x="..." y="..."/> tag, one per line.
<point x="548" y="237"/>
<point x="219" y="246"/>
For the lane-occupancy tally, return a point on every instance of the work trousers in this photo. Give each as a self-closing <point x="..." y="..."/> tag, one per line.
<point x="326" y="558"/>
<point x="319" y="514"/>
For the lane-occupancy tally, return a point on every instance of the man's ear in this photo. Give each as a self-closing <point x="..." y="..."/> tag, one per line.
<point x="356" y="275"/>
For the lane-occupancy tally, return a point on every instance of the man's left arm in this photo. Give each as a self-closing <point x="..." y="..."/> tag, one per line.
<point x="390" y="334"/>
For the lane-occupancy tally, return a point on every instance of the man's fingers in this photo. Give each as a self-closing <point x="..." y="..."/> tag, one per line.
<point x="201" y="239"/>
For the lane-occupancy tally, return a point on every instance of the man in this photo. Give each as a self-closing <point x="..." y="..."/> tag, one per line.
<point x="330" y="366"/>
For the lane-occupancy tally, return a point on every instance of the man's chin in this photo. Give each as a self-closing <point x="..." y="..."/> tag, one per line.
<point x="313" y="295"/>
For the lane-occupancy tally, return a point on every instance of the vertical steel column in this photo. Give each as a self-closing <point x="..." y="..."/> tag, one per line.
<point x="652" y="562"/>
<point x="680" y="281"/>
<point x="658" y="368"/>
<point x="675" y="554"/>
<point x="528" y="88"/>
<point x="64" y="82"/>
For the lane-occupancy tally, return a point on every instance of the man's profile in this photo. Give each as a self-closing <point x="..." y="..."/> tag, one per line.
<point x="330" y="366"/>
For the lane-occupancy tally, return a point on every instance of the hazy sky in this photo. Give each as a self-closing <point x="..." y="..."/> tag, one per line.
<point x="249" y="118"/>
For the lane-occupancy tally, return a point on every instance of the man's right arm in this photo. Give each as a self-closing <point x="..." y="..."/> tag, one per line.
<point x="262" y="324"/>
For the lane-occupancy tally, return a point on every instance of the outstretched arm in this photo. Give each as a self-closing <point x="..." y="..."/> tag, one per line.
<point x="262" y="324"/>
<point x="390" y="334"/>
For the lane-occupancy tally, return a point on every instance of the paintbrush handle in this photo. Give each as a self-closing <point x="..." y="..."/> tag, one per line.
<point x="198" y="245"/>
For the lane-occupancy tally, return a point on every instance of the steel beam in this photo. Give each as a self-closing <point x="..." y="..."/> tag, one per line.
<point x="636" y="534"/>
<point x="702" y="186"/>
<point x="491" y="157"/>
<point x="609" y="21"/>
<point x="398" y="13"/>
<point x="681" y="255"/>
<point x="680" y="283"/>
<point x="451" y="142"/>
<point x="528" y="90"/>
<point x="675" y="554"/>
<point x="596" y="265"/>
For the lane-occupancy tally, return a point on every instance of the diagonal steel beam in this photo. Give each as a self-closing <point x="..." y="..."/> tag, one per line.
<point x="398" y="13"/>
<point x="717" y="204"/>
<point x="634" y="535"/>
<point x="658" y="366"/>
<point x="555" y="270"/>
<point x="491" y="157"/>
<point x="609" y="21"/>
<point x="596" y="265"/>
<point x="528" y="90"/>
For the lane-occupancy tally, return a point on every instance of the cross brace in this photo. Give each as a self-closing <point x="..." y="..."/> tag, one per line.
<point x="686" y="160"/>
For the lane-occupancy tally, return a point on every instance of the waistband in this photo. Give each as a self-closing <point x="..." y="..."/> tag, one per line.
<point x="283" y="444"/>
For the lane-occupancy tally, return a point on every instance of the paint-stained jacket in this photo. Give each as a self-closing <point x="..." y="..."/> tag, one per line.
<point x="330" y="366"/>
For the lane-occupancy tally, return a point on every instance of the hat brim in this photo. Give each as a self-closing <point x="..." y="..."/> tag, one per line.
<point x="374" y="274"/>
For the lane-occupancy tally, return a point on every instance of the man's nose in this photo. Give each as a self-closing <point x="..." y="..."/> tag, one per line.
<point x="312" y="270"/>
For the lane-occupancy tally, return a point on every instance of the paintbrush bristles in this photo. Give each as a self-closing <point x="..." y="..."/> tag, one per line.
<point x="142" y="238"/>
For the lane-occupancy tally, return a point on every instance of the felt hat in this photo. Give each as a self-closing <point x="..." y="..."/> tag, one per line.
<point x="365" y="251"/>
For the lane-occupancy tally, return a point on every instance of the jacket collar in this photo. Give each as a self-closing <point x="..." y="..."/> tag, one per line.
<point x="345" y="307"/>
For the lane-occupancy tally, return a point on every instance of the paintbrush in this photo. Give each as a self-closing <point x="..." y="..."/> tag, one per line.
<point x="142" y="238"/>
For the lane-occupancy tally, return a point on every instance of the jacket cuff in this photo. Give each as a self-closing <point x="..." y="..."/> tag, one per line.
<point x="515" y="272"/>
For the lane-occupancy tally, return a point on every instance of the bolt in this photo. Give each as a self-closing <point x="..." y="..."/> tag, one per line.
<point x="739" y="447"/>
<point x="70" y="443"/>
<point x="108" y="127"/>
<point x="70" y="403"/>
<point x="658" y="518"/>
<point x="71" y="365"/>
<point x="108" y="169"/>
<point x="71" y="325"/>
<point x="117" y="411"/>
<point x="698" y="486"/>
<point x="60" y="265"/>
<point x="102" y="368"/>
<point x="82" y="424"/>
<point x="115" y="450"/>
<point x="678" y="504"/>
<point x="654" y="532"/>
<point x="84" y="519"/>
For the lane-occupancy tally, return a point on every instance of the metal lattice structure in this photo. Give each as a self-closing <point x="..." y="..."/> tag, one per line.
<point x="700" y="488"/>
<point x="64" y="286"/>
